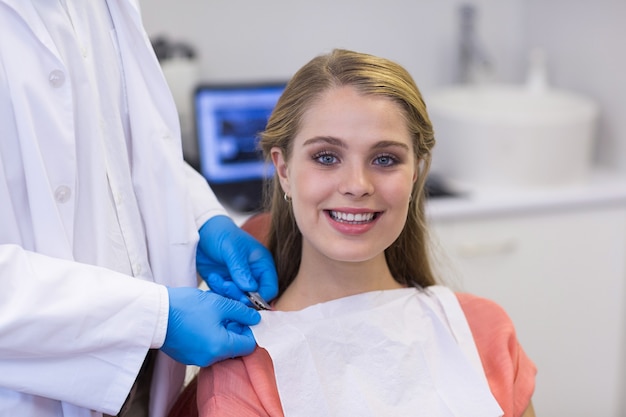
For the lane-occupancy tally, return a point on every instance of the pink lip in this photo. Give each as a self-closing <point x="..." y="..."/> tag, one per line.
<point x="352" y="228"/>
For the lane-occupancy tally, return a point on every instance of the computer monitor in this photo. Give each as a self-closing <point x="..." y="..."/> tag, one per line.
<point x="228" y="120"/>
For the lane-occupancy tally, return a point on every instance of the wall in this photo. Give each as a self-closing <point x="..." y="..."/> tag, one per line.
<point x="584" y="41"/>
<point x="250" y="40"/>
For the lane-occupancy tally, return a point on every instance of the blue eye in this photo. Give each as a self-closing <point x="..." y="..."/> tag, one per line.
<point x="385" y="160"/>
<point x="325" y="158"/>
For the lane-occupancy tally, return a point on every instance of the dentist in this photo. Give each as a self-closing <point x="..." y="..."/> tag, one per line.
<point x="103" y="227"/>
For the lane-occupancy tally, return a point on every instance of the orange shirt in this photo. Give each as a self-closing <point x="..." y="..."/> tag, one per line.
<point x="246" y="386"/>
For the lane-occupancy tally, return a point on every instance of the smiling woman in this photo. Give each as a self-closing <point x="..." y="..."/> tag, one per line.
<point x="352" y="157"/>
<point x="372" y="106"/>
<point x="360" y="326"/>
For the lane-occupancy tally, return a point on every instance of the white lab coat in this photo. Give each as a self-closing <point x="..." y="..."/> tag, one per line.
<point x="73" y="336"/>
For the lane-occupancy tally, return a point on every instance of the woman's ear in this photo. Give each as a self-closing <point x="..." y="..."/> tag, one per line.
<point x="280" y="164"/>
<point x="417" y="169"/>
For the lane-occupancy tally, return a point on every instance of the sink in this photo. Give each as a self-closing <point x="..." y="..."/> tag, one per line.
<point x="512" y="135"/>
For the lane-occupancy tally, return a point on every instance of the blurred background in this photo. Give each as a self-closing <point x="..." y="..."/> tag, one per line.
<point x="554" y="256"/>
<point x="251" y="40"/>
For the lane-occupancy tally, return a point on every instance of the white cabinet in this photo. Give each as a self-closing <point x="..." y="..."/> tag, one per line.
<point x="560" y="272"/>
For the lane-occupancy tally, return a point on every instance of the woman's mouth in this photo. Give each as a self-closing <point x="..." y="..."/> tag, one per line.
<point x="353" y="218"/>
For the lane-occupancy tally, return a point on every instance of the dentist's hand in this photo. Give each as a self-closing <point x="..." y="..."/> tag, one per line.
<point x="232" y="262"/>
<point x="204" y="327"/>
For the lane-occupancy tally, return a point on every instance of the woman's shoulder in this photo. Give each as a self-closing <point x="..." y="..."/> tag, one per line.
<point x="483" y="312"/>
<point x="509" y="371"/>
<point x="492" y="328"/>
<point x="243" y="386"/>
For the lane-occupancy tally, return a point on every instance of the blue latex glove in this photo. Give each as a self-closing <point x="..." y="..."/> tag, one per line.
<point x="204" y="327"/>
<point x="231" y="261"/>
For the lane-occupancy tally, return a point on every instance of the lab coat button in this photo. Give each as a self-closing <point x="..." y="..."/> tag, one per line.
<point x="62" y="194"/>
<point x="56" y="78"/>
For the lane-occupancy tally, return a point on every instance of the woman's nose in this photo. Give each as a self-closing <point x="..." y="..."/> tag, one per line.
<point x="356" y="181"/>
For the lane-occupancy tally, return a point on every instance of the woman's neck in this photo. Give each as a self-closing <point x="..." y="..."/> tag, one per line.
<point x="317" y="281"/>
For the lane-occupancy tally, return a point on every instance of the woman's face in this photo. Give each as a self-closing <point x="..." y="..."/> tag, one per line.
<point x="350" y="175"/>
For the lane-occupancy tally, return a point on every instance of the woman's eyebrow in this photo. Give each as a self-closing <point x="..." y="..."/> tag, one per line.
<point x="390" y="143"/>
<point x="330" y="140"/>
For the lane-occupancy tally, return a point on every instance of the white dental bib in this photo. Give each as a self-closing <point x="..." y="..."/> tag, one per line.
<point x="403" y="352"/>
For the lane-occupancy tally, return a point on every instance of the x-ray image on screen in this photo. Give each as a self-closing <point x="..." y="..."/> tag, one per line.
<point x="229" y="119"/>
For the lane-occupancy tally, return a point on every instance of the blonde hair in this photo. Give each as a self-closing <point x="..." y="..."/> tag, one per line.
<point x="407" y="257"/>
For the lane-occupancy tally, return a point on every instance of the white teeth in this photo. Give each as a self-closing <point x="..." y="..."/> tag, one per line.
<point x="351" y="217"/>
